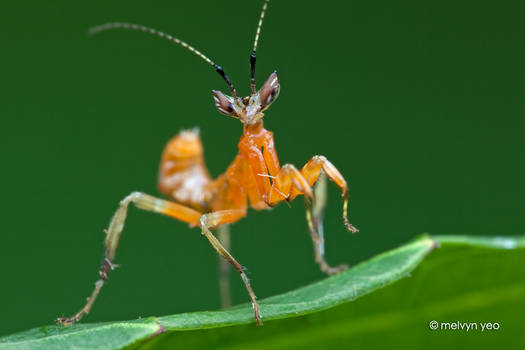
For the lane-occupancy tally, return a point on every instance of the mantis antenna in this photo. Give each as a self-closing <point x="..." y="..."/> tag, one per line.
<point x="132" y="26"/>
<point x="256" y="41"/>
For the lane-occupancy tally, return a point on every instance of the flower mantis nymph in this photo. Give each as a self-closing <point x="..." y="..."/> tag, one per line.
<point x="255" y="176"/>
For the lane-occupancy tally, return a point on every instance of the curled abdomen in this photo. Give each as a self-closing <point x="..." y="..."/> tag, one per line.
<point x="183" y="175"/>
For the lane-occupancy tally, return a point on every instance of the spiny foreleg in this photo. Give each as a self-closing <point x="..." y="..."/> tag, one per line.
<point x="315" y="171"/>
<point x="290" y="182"/>
<point x="320" y="194"/>
<point x="311" y="172"/>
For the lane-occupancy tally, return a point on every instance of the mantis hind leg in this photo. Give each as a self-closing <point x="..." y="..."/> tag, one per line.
<point x="114" y="231"/>
<point x="223" y="234"/>
<point x="174" y="210"/>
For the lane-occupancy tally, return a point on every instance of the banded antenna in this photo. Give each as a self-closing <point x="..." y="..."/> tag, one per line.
<point x="256" y="41"/>
<point x="132" y="26"/>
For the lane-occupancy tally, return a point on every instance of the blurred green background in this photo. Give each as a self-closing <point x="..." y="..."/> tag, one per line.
<point x="419" y="105"/>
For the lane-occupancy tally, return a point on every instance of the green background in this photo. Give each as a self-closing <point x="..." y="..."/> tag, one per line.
<point x="419" y="105"/>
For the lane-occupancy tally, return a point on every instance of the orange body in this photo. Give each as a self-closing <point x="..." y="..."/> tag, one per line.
<point x="183" y="175"/>
<point x="254" y="175"/>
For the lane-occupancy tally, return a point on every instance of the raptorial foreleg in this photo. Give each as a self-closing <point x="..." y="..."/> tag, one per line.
<point x="289" y="183"/>
<point x="311" y="172"/>
<point x="316" y="171"/>
<point x="320" y="193"/>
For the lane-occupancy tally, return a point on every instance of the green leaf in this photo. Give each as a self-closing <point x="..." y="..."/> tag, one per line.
<point x="466" y="274"/>
<point x="83" y="336"/>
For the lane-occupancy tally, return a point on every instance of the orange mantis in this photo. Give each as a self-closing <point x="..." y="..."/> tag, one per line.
<point x="255" y="177"/>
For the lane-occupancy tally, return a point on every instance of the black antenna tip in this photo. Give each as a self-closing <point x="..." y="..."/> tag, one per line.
<point x="220" y="71"/>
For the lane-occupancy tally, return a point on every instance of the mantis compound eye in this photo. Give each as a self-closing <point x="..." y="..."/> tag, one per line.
<point x="224" y="103"/>
<point x="269" y="91"/>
